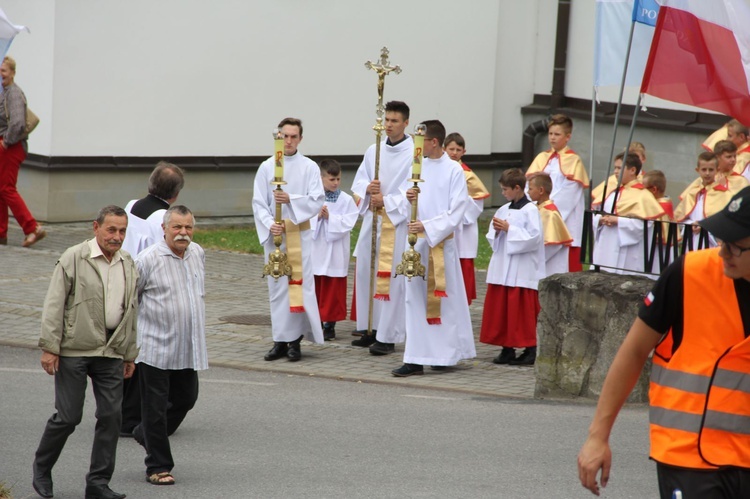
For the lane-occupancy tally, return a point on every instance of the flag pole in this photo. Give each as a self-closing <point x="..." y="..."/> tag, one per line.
<point x="591" y="146"/>
<point x="617" y="120"/>
<point x="627" y="149"/>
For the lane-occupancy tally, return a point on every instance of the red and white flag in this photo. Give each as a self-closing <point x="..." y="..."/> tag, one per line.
<point x="697" y="56"/>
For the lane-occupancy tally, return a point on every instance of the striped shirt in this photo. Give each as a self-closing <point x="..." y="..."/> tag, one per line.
<point x="171" y="311"/>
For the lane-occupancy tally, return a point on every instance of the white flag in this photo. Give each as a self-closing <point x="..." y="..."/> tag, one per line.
<point x="613" y="21"/>
<point x="8" y="31"/>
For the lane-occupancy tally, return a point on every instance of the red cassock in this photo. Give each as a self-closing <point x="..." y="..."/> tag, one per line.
<point x="509" y="317"/>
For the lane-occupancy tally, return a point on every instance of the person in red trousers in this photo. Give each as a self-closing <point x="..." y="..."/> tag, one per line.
<point x="13" y="148"/>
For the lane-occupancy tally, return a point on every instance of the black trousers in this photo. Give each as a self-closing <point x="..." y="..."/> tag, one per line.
<point x="70" y="392"/>
<point x="131" y="404"/>
<point x="166" y="398"/>
<point x="725" y="483"/>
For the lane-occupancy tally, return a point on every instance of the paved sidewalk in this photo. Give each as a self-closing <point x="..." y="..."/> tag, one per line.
<point x="234" y="287"/>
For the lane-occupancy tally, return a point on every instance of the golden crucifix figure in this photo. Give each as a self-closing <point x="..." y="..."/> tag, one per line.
<point x="382" y="68"/>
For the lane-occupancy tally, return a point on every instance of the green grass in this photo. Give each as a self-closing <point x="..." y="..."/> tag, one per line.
<point x="484" y="252"/>
<point x="5" y="491"/>
<point x="245" y="240"/>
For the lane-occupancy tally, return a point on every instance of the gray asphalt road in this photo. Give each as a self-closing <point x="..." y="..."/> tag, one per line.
<point x="264" y="435"/>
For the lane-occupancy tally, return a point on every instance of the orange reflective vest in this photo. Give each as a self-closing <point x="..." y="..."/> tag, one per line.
<point x="700" y="394"/>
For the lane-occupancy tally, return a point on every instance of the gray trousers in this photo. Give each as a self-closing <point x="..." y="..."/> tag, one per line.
<point x="70" y="391"/>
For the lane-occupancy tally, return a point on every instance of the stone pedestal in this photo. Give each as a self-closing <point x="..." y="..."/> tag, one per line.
<point x="584" y="319"/>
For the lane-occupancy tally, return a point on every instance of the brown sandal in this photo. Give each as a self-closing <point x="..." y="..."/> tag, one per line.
<point x="163" y="478"/>
<point x="34" y="237"/>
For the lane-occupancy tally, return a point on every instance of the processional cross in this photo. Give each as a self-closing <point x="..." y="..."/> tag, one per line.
<point x="382" y="68"/>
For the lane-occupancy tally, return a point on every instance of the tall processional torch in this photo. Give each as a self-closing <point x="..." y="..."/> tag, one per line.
<point x="411" y="260"/>
<point x="278" y="263"/>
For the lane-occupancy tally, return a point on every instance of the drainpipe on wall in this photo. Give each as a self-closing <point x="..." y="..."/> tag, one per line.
<point x="529" y="139"/>
<point x="561" y="54"/>
<point x="558" y="82"/>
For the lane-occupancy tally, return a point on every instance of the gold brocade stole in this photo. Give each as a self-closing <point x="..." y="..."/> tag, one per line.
<point x="474" y="185"/>
<point x="570" y="165"/>
<point x="597" y="193"/>
<point x="636" y="202"/>
<point x="717" y="196"/>
<point x="720" y="134"/>
<point x="743" y="158"/>
<point x="554" y="228"/>
<point x="294" y="256"/>
<point x="435" y="280"/>
<point x="385" y="257"/>
<point x="735" y="182"/>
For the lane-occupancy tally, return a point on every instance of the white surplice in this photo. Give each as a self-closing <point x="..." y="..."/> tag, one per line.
<point x="306" y="195"/>
<point x="331" y="237"/>
<point x="556" y="259"/>
<point x="467" y="232"/>
<point x="395" y="167"/>
<point x="695" y="216"/>
<point x="620" y="245"/>
<point x="569" y="197"/>
<point x="142" y="233"/>
<point x="442" y="205"/>
<point x="518" y="254"/>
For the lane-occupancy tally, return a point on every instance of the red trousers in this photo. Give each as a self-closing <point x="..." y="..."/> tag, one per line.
<point x="10" y="163"/>
<point x="331" y="294"/>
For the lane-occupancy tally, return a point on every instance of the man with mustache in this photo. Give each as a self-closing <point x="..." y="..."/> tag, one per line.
<point x="89" y="330"/>
<point x="145" y="217"/>
<point x="171" y="337"/>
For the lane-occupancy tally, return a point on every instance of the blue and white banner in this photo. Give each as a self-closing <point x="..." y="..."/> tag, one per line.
<point x="613" y="21"/>
<point x="645" y="11"/>
<point x="8" y="31"/>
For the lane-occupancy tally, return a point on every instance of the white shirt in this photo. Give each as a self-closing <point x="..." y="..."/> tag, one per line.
<point x="113" y="281"/>
<point x="171" y="311"/>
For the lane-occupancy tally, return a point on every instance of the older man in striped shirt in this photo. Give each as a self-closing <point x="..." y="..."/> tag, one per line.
<point x="171" y="336"/>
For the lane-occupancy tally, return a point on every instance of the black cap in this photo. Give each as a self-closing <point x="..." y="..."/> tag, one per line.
<point x="733" y="222"/>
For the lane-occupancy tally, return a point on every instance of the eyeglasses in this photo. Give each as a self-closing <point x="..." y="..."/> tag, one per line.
<point x="734" y="250"/>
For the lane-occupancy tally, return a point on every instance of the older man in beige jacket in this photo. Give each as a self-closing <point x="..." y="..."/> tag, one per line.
<point x="89" y="330"/>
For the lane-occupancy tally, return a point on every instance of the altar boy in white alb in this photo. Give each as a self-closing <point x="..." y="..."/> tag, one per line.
<point x="438" y="324"/>
<point x="387" y="196"/>
<point x="618" y="234"/>
<point x="294" y="309"/>
<point x="331" y="248"/>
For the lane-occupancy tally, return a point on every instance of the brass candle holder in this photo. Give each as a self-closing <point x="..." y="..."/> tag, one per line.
<point x="278" y="262"/>
<point x="411" y="260"/>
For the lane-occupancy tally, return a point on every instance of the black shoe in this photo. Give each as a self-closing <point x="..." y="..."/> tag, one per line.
<point x="278" y="351"/>
<point x="506" y="356"/>
<point x="378" y="348"/>
<point x="408" y="370"/>
<point x="102" y="492"/>
<point x="358" y="332"/>
<point x="527" y="358"/>
<point x="329" y="331"/>
<point x="42" y="483"/>
<point x="439" y="368"/>
<point x="365" y="341"/>
<point x="294" y="353"/>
